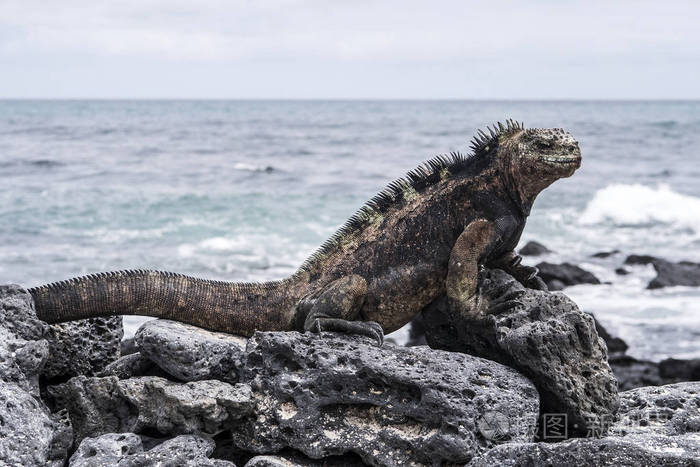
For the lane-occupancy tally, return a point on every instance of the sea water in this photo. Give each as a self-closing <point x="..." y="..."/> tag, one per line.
<point x="245" y="190"/>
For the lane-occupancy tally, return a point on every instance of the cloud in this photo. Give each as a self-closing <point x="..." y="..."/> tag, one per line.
<point x="319" y="37"/>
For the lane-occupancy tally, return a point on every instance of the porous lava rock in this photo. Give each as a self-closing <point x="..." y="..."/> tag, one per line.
<point x="559" y="276"/>
<point x="533" y="248"/>
<point x="150" y="403"/>
<point x="543" y="335"/>
<point x="190" y="353"/>
<point x="127" y="450"/>
<point x="331" y="394"/>
<point x="83" y="347"/>
<point x="656" y="426"/>
<point x="29" y="433"/>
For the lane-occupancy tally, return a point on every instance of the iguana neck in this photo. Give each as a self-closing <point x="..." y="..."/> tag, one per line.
<point x="521" y="201"/>
<point x="521" y="191"/>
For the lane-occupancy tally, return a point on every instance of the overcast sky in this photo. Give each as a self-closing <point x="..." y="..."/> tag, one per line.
<point x="350" y="49"/>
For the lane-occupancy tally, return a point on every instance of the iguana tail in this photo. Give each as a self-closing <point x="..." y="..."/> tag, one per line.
<point x="236" y="308"/>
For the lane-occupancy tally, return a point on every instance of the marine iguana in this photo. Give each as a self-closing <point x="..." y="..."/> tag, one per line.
<point x="423" y="236"/>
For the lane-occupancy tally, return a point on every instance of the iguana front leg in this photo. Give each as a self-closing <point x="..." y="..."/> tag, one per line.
<point x="526" y="275"/>
<point x="336" y="306"/>
<point x="473" y="244"/>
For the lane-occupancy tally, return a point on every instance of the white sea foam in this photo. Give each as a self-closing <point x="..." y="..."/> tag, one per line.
<point x="105" y="235"/>
<point x="242" y="245"/>
<point x="656" y="324"/>
<point x="222" y="244"/>
<point x="186" y="250"/>
<point x="252" y="168"/>
<point x="246" y="256"/>
<point x="640" y="205"/>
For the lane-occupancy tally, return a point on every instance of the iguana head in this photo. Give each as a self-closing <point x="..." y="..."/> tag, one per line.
<point x="535" y="158"/>
<point x="550" y="152"/>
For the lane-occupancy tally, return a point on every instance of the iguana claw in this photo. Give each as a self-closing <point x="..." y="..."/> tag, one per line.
<point x="364" y="328"/>
<point x="536" y="283"/>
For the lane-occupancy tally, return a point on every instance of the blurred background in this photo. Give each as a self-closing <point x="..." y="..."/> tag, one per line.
<point x="228" y="139"/>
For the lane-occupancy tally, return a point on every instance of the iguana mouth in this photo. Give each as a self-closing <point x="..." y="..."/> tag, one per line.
<point x="561" y="160"/>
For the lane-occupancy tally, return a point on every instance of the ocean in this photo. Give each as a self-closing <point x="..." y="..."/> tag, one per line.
<point x="245" y="190"/>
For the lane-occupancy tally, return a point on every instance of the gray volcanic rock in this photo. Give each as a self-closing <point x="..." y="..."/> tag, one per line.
<point x="605" y="254"/>
<point x="126" y="450"/>
<point x="21" y="361"/>
<point x="190" y="353"/>
<point x="670" y="410"/>
<point x="633" y="373"/>
<point x="83" y="347"/>
<point x="668" y="273"/>
<point x="29" y="435"/>
<point x="544" y="336"/>
<point x="131" y="365"/>
<point x="313" y="393"/>
<point x="580" y="452"/>
<point x="333" y="393"/>
<point x="321" y="395"/>
<point x="103" y="405"/>
<point x="299" y="460"/>
<point x="656" y="426"/>
<point x="676" y="370"/>
<point x="533" y="248"/>
<point x="615" y="344"/>
<point x="95" y="405"/>
<point x="128" y="346"/>
<point x="640" y="259"/>
<point x="17" y="314"/>
<point x="277" y="461"/>
<point x="189" y="450"/>
<point x="106" y="450"/>
<point x="671" y="274"/>
<point x="23" y="350"/>
<point x="559" y="276"/>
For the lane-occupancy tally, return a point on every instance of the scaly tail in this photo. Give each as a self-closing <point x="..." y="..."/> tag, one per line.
<point x="236" y="308"/>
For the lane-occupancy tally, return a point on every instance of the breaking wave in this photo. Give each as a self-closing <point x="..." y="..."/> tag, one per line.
<point x="640" y="206"/>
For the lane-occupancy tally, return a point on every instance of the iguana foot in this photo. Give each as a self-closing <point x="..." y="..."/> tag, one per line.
<point x="536" y="283"/>
<point x="526" y="275"/>
<point x="336" y="307"/>
<point x="474" y="307"/>
<point x="363" y="328"/>
<point x="503" y="297"/>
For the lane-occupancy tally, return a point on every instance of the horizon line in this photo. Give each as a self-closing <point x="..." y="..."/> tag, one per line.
<point x="363" y="99"/>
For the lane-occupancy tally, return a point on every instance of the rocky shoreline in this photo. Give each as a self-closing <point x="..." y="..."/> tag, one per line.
<point x="531" y="384"/>
<point x="629" y="371"/>
<point x="559" y="276"/>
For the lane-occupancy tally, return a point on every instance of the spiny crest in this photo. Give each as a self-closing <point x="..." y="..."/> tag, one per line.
<point x="129" y="273"/>
<point x="482" y="139"/>
<point x="428" y="173"/>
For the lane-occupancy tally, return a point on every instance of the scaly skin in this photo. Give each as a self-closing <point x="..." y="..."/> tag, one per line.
<point x="425" y="235"/>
